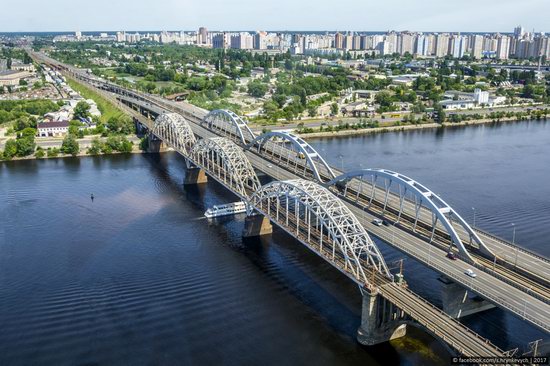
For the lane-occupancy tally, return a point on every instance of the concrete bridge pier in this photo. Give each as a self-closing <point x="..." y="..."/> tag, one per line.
<point x="256" y="225"/>
<point x="195" y="176"/>
<point x="155" y="144"/>
<point x="459" y="302"/>
<point x="381" y="321"/>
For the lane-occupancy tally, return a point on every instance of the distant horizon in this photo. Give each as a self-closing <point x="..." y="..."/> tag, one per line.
<point x="489" y="16"/>
<point x="265" y="30"/>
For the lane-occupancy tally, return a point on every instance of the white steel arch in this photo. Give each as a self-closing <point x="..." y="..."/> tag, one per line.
<point x="230" y="124"/>
<point x="173" y="129"/>
<point x="304" y="206"/>
<point x="275" y="144"/>
<point x="227" y="162"/>
<point x="440" y="210"/>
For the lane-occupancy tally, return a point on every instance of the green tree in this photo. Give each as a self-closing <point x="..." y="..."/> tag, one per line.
<point x="70" y="145"/>
<point x="95" y="148"/>
<point x="82" y="110"/>
<point x="39" y="154"/>
<point x="257" y="89"/>
<point x="121" y="124"/>
<point x="439" y="114"/>
<point x="334" y="109"/>
<point x="52" y="153"/>
<point x="10" y="149"/>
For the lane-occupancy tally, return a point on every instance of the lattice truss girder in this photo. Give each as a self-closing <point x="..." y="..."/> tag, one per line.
<point x="294" y="152"/>
<point x="230" y="124"/>
<point x="309" y="201"/>
<point x="174" y="130"/>
<point x="224" y="159"/>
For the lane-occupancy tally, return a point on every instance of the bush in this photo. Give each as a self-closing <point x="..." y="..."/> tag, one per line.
<point x="39" y="154"/>
<point x="52" y="153"/>
<point x="70" y="145"/>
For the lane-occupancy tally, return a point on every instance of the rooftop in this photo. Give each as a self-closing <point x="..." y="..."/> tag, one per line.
<point x="53" y="124"/>
<point x="10" y="72"/>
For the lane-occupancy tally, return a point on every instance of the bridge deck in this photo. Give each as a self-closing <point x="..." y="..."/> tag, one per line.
<point x="487" y="286"/>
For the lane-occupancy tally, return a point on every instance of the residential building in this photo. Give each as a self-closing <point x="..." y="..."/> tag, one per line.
<point x="202" y="37"/>
<point x="442" y="45"/>
<point x="477" y="46"/>
<point x="12" y="77"/>
<point x="52" y="129"/>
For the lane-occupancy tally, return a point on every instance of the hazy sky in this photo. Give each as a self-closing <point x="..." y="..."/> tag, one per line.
<point x="370" y="15"/>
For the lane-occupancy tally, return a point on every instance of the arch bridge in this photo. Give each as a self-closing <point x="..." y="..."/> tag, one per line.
<point x="313" y="215"/>
<point x="346" y="251"/>
<point x="409" y="203"/>
<point x="292" y="152"/>
<point x="220" y="157"/>
<point x="230" y="124"/>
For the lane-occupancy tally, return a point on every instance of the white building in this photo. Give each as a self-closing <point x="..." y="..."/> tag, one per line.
<point x="52" y="129"/>
<point x="481" y="97"/>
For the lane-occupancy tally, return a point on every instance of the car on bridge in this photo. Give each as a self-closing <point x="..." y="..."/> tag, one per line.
<point x="377" y="222"/>
<point x="451" y="256"/>
<point x="470" y="273"/>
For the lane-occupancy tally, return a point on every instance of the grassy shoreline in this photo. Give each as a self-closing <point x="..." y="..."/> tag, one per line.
<point x="107" y="109"/>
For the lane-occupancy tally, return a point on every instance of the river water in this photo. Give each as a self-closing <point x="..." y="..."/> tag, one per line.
<point x="139" y="277"/>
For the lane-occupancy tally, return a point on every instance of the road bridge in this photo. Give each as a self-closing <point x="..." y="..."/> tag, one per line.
<point x="298" y="167"/>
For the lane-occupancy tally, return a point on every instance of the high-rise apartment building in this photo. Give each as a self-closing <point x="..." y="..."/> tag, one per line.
<point x="442" y="45"/>
<point x="339" y="41"/>
<point x="202" y="37"/>
<point x="477" y="46"/>
<point x="503" y="47"/>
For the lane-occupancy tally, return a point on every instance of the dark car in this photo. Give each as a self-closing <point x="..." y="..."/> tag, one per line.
<point x="451" y="256"/>
<point x="386" y="223"/>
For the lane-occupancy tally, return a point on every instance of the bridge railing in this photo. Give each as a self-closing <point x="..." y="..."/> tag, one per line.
<point x="513" y="246"/>
<point x="470" y="284"/>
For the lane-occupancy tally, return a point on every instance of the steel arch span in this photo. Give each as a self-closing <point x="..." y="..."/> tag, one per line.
<point x="230" y="124"/>
<point x="274" y="144"/>
<point x="173" y="129"/>
<point x="227" y="162"/>
<point x="317" y="217"/>
<point x="440" y="211"/>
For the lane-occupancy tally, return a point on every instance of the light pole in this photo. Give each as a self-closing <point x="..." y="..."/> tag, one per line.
<point x="474" y="209"/>
<point x="393" y="234"/>
<point x="513" y="243"/>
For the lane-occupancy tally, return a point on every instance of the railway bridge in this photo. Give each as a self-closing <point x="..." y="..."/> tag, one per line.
<point x="332" y="212"/>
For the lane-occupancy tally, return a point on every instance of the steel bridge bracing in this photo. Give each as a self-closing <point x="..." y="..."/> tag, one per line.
<point x="441" y="212"/>
<point x="175" y="131"/>
<point x="229" y="123"/>
<point x="226" y="161"/>
<point x="322" y="218"/>
<point x="275" y="143"/>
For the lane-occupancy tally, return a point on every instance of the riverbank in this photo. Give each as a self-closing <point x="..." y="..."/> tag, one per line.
<point x="136" y="150"/>
<point x="367" y="131"/>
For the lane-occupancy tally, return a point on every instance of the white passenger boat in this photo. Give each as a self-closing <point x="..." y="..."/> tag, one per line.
<point x="227" y="209"/>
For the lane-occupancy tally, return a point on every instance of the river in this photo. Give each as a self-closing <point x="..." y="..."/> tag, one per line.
<point x="140" y="277"/>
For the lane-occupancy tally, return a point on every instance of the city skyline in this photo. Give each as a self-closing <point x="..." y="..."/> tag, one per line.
<point x="431" y="15"/>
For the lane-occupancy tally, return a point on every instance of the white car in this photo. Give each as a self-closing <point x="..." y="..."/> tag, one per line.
<point x="377" y="222"/>
<point x="470" y="273"/>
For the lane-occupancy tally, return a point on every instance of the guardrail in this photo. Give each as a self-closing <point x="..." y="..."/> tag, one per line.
<point x="512" y="245"/>
<point x="522" y="314"/>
